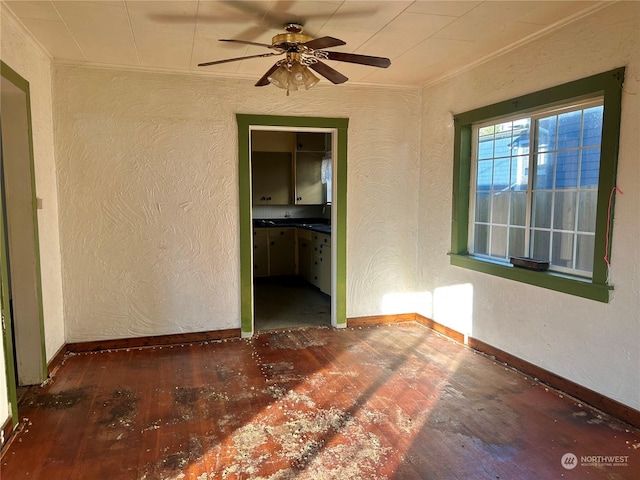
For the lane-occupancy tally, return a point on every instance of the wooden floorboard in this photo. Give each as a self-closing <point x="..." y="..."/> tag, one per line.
<point x="391" y="402"/>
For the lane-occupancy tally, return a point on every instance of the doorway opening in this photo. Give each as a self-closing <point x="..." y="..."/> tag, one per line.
<point x="290" y="231"/>
<point x="291" y="180"/>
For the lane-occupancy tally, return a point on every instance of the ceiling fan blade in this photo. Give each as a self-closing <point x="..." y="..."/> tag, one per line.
<point x="329" y="73"/>
<point x="323" y="42"/>
<point x="246" y="42"/>
<point x="236" y="59"/>
<point x="250" y="33"/>
<point x="265" y="78"/>
<point x="381" y="62"/>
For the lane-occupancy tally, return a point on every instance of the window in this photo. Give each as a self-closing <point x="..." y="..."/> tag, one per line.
<point x="532" y="178"/>
<point x="535" y="187"/>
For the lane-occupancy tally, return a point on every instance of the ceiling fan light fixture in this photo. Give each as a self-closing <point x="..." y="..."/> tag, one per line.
<point x="309" y="78"/>
<point x="280" y="77"/>
<point x="302" y="77"/>
<point x="302" y="52"/>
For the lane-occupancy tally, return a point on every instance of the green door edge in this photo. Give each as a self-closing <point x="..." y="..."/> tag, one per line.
<point x="339" y="233"/>
<point x="10" y="372"/>
<point x="11" y="75"/>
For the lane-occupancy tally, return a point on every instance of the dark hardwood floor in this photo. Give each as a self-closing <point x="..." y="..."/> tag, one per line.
<point x="374" y="402"/>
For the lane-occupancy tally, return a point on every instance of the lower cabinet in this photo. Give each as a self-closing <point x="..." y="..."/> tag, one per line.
<point x="274" y="251"/>
<point x="261" y="252"/>
<point x="305" y="253"/>
<point x="321" y="262"/>
<point x="282" y="251"/>
<point x="324" y="272"/>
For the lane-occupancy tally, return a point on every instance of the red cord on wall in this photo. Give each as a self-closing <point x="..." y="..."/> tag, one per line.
<point x="606" y="249"/>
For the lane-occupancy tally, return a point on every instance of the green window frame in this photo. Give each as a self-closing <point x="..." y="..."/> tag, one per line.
<point x="608" y="85"/>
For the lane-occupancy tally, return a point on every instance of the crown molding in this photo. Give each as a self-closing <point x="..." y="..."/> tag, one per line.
<point x="7" y="14"/>
<point x="590" y="10"/>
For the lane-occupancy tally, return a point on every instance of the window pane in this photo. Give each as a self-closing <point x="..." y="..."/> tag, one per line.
<point x="546" y="131"/>
<point x="592" y="130"/>
<point x="567" y="169"/>
<point x="518" y="214"/>
<point x="500" y="208"/>
<point x="483" y="203"/>
<point x="499" y="242"/>
<point x="564" y="212"/>
<point x="590" y="167"/>
<point x="587" y="203"/>
<point x="481" y="241"/>
<point x="516" y="242"/>
<point x="487" y="131"/>
<point x="562" y="252"/>
<point x="521" y="132"/>
<point x="485" y="173"/>
<point x="584" y="252"/>
<point x="542" y="209"/>
<point x="503" y="143"/>
<point x="540" y="244"/>
<point x="569" y="129"/>
<point x="501" y="174"/>
<point x="519" y="172"/>
<point x="485" y="147"/>
<point x="544" y="171"/>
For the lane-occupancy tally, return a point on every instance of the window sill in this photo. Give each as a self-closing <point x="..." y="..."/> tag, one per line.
<point x="572" y="285"/>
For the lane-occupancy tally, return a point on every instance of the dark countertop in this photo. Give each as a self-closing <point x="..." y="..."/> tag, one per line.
<point x="321" y="225"/>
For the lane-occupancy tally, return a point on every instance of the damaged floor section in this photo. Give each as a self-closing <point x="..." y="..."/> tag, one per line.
<point x="379" y="402"/>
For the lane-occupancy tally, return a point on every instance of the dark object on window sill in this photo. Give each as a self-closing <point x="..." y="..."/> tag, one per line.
<point x="529" y="263"/>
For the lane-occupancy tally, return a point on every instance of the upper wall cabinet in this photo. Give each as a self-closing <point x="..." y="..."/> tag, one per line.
<point x="286" y="167"/>
<point x="311" y="149"/>
<point x="271" y="175"/>
<point x="309" y="187"/>
<point x="312" y="142"/>
<point x="272" y="141"/>
<point x="271" y="178"/>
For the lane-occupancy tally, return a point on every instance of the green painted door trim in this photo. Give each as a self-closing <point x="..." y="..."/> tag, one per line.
<point x="11" y="75"/>
<point x="10" y="372"/>
<point x="339" y="232"/>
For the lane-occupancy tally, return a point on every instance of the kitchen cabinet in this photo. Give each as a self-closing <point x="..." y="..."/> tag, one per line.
<point x="321" y="264"/>
<point x="282" y="251"/>
<point x="274" y="251"/>
<point x="271" y="178"/>
<point x="286" y="167"/>
<point x="324" y="271"/>
<point x="311" y="148"/>
<point x="312" y="142"/>
<point x="305" y="253"/>
<point x="272" y="141"/>
<point x="309" y="189"/>
<point x="260" y="252"/>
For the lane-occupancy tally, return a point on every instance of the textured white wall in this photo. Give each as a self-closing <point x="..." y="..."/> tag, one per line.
<point x="148" y="185"/>
<point x="19" y="52"/>
<point x="594" y="344"/>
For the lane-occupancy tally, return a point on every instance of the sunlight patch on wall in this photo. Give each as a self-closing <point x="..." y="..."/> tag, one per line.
<point x="453" y="307"/>
<point x="406" y="302"/>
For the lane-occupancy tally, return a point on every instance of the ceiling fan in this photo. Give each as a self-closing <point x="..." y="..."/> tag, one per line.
<point x="301" y="53"/>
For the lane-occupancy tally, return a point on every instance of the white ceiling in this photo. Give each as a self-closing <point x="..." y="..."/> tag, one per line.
<point x="425" y="40"/>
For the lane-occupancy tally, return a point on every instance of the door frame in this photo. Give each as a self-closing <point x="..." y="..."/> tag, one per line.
<point x="338" y="127"/>
<point x="36" y="346"/>
<point x="7" y="329"/>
